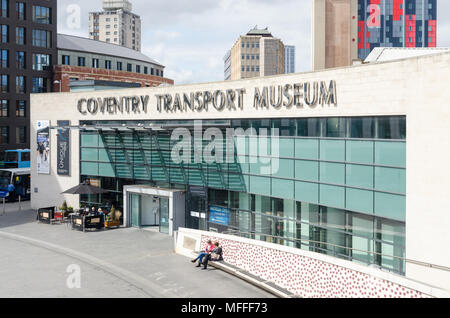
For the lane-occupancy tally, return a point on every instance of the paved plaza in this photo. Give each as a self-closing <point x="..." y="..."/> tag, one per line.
<point x="41" y="260"/>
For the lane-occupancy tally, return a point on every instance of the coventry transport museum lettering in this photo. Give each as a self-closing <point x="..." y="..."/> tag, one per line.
<point x="299" y="95"/>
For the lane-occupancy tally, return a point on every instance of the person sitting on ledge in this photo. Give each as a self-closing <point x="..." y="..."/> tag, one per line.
<point x="215" y="256"/>
<point x="201" y="255"/>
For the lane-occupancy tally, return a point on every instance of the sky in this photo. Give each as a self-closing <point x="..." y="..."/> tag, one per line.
<point x="191" y="37"/>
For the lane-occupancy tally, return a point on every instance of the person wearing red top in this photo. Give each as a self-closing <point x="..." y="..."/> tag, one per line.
<point x="207" y="251"/>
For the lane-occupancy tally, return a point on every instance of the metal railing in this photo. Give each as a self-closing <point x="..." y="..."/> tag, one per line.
<point x="307" y="243"/>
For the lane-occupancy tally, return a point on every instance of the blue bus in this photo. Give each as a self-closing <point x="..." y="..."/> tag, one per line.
<point x="17" y="159"/>
<point x="15" y="183"/>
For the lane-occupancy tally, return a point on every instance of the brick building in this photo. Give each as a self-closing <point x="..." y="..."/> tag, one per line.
<point x="86" y="59"/>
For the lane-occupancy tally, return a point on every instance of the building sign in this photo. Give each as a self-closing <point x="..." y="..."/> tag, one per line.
<point x="219" y="215"/>
<point x="63" y="144"/>
<point x="288" y="96"/>
<point x="43" y="147"/>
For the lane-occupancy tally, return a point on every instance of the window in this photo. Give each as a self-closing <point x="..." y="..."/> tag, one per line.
<point x="145" y="70"/>
<point x="95" y="63"/>
<point x="5" y="33"/>
<point x="42" y="38"/>
<point x="108" y="65"/>
<point x="20" y="84"/>
<point x="20" y="108"/>
<point x="4" y="8"/>
<point x="138" y="68"/>
<point x="162" y="73"/>
<point x="4" y="108"/>
<point x="66" y="60"/>
<point x="361" y="127"/>
<point x="21" y="136"/>
<point x="20" y="35"/>
<point x="42" y="15"/>
<point x="40" y="85"/>
<point x="119" y="66"/>
<point x="20" y="60"/>
<point x="4" y="135"/>
<point x="20" y="9"/>
<point x="152" y="71"/>
<point x="4" y="84"/>
<point x="157" y="72"/>
<point x="129" y="67"/>
<point x="81" y="61"/>
<point x="41" y="61"/>
<point x="335" y="127"/>
<point x="5" y="58"/>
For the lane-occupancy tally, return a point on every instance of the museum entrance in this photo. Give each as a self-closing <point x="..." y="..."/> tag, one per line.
<point x="149" y="207"/>
<point x="149" y="211"/>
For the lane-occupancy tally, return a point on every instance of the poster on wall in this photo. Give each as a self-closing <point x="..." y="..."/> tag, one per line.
<point x="219" y="215"/>
<point x="63" y="145"/>
<point x="43" y="147"/>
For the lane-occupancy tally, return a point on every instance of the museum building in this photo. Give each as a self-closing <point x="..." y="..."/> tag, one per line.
<point x="349" y="162"/>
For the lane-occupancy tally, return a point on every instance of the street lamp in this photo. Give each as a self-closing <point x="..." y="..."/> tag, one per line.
<point x="58" y="82"/>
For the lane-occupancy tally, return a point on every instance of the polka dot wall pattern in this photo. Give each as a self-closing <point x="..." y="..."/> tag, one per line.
<point x="307" y="277"/>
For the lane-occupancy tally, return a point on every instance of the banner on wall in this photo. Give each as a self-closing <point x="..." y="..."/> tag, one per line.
<point x="219" y="215"/>
<point x="43" y="147"/>
<point x="63" y="144"/>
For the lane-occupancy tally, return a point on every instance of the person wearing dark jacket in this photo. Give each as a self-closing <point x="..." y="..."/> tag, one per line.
<point x="215" y="256"/>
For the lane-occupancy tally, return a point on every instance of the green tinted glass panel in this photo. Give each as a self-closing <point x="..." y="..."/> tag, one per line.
<point x="332" y="196"/>
<point x="283" y="168"/>
<point x="89" y="140"/>
<point x="359" y="200"/>
<point x="106" y="170"/>
<point x="89" y="154"/>
<point x="237" y="182"/>
<point x="159" y="174"/>
<point x="89" y="168"/>
<point x="390" y="179"/>
<point x="216" y="180"/>
<point x="360" y="151"/>
<point x="307" y="170"/>
<point x="333" y="150"/>
<point x="307" y="192"/>
<point x="241" y="165"/>
<point x="177" y="176"/>
<point x="141" y="173"/>
<point x="241" y="146"/>
<point x="103" y="155"/>
<point x="359" y="176"/>
<point x="286" y="147"/>
<point x="282" y="188"/>
<point x="390" y="206"/>
<point x="196" y="177"/>
<point x="307" y="148"/>
<point x="260" y="185"/>
<point x="124" y="171"/>
<point x="332" y="173"/>
<point x="390" y="153"/>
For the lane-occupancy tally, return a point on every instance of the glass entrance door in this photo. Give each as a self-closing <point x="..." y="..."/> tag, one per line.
<point x="164" y="215"/>
<point x="135" y="207"/>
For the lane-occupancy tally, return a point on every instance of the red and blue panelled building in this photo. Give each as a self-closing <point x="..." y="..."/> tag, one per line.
<point x="396" y="23"/>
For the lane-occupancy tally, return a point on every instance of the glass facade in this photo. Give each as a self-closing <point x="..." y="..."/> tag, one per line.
<point x="330" y="185"/>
